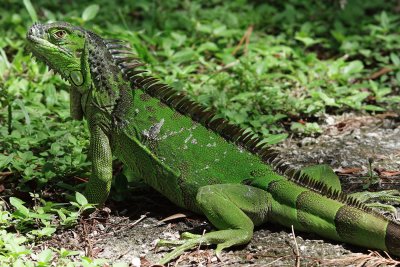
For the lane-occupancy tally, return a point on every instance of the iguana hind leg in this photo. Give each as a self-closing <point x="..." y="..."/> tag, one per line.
<point x="233" y="209"/>
<point x="326" y="175"/>
<point x="372" y="199"/>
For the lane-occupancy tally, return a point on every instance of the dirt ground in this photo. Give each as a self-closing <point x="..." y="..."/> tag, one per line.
<point x="352" y="145"/>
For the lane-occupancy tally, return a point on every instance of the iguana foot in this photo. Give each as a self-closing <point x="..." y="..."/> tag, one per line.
<point x="173" y="243"/>
<point x="371" y="199"/>
<point x="223" y="239"/>
<point x="183" y="245"/>
<point x="227" y="207"/>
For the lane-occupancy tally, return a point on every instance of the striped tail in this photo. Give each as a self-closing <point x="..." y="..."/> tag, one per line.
<point x="333" y="215"/>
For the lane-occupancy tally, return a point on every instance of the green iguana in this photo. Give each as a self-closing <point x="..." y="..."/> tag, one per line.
<point x="196" y="159"/>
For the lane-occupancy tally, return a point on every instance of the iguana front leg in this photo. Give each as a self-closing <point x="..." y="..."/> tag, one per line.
<point x="99" y="185"/>
<point x="233" y="209"/>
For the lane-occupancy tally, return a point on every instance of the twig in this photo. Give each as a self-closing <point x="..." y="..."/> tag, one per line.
<point x="198" y="247"/>
<point x="228" y="66"/>
<point x="278" y="259"/>
<point x="245" y="38"/>
<point x="297" y="248"/>
<point x="4" y="175"/>
<point x="80" y="179"/>
<point x="372" y="259"/>
<point x="379" y="73"/>
<point x="89" y="246"/>
<point x="179" y="259"/>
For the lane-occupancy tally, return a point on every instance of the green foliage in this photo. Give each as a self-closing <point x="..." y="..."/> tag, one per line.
<point x="14" y="251"/>
<point x="44" y="217"/>
<point x="33" y="224"/>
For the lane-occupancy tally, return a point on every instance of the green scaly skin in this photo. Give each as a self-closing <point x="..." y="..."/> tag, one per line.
<point x="198" y="161"/>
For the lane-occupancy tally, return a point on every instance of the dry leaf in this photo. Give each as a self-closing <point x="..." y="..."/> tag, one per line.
<point x="345" y="171"/>
<point x="387" y="173"/>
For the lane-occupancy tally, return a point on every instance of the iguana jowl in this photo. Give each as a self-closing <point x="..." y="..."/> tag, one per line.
<point x="197" y="160"/>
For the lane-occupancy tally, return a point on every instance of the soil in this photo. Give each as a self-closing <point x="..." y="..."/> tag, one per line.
<point x="363" y="150"/>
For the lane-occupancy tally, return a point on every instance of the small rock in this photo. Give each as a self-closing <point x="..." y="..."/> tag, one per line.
<point x="106" y="209"/>
<point x="330" y="120"/>
<point x="135" y="262"/>
<point x="307" y="141"/>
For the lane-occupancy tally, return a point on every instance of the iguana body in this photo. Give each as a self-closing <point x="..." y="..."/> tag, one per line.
<point x="196" y="160"/>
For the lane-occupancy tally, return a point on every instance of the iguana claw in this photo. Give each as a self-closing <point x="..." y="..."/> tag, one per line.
<point x="183" y="238"/>
<point x="372" y="199"/>
<point x="187" y="242"/>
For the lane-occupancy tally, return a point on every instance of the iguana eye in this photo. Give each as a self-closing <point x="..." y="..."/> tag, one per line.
<point x="60" y="34"/>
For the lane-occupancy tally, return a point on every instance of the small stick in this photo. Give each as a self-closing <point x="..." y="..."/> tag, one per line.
<point x="379" y="73"/>
<point x="245" y="38"/>
<point x="297" y="248"/>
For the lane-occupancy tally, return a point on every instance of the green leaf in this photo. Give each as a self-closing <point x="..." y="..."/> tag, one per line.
<point x="46" y="217"/>
<point x="276" y="138"/>
<point x="45" y="256"/>
<point x="31" y="10"/>
<point x="18" y="204"/>
<point x="47" y="231"/>
<point x="80" y="199"/>
<point x="329" y="101"/>
<point x="352" y="67"/>
<point x="90" y="12"/>
<point x="307" y="41"/>
<point x="384" y="19"/>
<point x="5" y="160"/>
<point x="24" y="111"/>
<point x="61" y="214"/>
<point x="207" y="46"/>
<point x="65" y="253"/>
<point x="395" y="59"/>
<point x="19" y="263"/>
<point x="372" y="108"/>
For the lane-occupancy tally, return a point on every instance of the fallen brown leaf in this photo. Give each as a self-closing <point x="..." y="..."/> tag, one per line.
<point x="387" y="173"/>
<point x="345" y="171"/>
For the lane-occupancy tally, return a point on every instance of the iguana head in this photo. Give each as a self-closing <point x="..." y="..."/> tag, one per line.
<point x="61" y="46"/>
